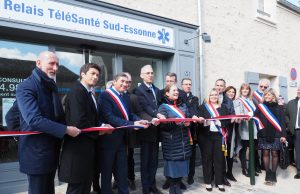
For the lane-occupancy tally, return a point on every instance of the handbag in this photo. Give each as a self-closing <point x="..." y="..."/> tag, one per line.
<point x="284" y="156"/>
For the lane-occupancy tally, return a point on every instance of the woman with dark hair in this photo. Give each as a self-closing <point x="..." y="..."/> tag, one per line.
<point x="176" y="139"/>
<point x="211" y="137"/>
<point x="230" y="92"/>
<point x="245" y="105"/>
<point x="273" y="133"/>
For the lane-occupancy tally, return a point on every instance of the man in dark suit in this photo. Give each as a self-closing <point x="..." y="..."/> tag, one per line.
<point x="115" y="110"/>
<point x="41" y="110"/>
<point x="293" y="123"/>
<point x="78" y="154"/>
<point x="220" y="86"/>
<point x="192" y="103"/>
<point x="148" y="96"/>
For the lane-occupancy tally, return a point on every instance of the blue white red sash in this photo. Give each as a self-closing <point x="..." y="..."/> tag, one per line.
<point x="250" y="108"/>
<point x="247" y="104"/>
<point x="258" y="96"/>
<point x="179" y="114"/>
<point x="214" y="113"/>
<point x="115" y="96"/>
<point x="175" y="110"/>
<point x="269" y="115"/>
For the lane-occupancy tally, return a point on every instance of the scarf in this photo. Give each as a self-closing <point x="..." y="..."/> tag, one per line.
<point x="49" y="83"/>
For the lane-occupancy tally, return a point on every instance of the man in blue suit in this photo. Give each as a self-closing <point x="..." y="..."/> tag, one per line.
<point x="114" y="109"/>
<point x="41" y="110"/>
<point x="149" y="97"/>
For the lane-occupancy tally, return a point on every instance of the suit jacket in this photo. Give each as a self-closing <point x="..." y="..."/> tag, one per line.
<point x="111" y="114"/>
<point x="78" y="154"/>
<point x="291" y="114"/>
<point x="38" y="154"/>
<point x="192" y="103"/>
<point x="150" y="106"/>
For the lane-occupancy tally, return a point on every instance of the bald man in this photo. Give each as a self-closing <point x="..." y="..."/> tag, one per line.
<point x="41" y="110"/>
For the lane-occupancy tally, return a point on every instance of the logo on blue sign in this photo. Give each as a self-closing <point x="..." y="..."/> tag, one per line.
<point x="163" y="36"/>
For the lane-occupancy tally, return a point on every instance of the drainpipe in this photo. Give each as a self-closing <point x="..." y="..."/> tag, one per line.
<point x="201" y="61"/>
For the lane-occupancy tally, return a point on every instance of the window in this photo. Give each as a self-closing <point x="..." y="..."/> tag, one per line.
<point x="266" y="11"/>
<point x="16" y="63"/>
<point x="133" y="65"/>
<point x="291" y="4"/>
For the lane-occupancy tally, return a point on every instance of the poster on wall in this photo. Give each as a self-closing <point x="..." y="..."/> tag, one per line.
<point x="6" y="105"/>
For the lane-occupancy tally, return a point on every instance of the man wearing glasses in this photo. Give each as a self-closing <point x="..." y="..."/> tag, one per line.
<point x="262" y="86"/>
<point x="148" y="96"/>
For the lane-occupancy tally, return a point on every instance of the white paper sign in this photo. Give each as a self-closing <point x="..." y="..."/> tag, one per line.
<point x="63" y="16"/>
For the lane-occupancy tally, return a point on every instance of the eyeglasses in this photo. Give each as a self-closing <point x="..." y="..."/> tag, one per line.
<point x="149" y="73"/>
<point x="265" y="87"/>
<point x="187" y="84"/>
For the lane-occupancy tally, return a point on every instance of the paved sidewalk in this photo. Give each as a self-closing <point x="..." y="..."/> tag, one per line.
<point x="285" y="183"/>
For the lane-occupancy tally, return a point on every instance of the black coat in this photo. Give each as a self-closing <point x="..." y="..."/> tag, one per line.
<point x="150" y="107"/>
<point x="78" y="154"/>
<point x="175" y="139"/>
<point x="290" y="114"/>
<point x="269" y="131"/>
<point x="192" y="103"/>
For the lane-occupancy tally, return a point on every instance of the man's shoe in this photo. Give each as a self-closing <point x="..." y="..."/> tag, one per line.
<point x="166" y="185"/>
<point x="226" y="182"/>
<point x="155" y="190"/>
<point x="131" y="185"/>
<point x="182" y="186"/>
<point x="146" y="191"/>
<point x="190" y="180"/>
<point x="297" y="176"/>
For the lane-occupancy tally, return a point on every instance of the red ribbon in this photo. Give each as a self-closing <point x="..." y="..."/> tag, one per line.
<point x="91" y="129"/>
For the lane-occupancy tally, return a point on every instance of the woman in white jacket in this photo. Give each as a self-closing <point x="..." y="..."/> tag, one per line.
<point x="244" y="105"/>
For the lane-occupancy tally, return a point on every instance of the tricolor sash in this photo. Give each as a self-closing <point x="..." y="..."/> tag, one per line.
<point x="120" y="103"/>
<point x="258" y="96"/>
<point x="247" y="104"/>
<point x="270" y="117"/>
<point x="250" y="108"/>
<point x="179" y="114"/>
<point x="214" y="113"/>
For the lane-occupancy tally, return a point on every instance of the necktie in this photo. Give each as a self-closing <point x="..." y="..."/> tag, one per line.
<point x="151" y="88"/>
<point x="93" y="98"/>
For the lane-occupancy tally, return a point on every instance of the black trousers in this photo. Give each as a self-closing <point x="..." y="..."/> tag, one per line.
<point x="41" y="183"/>
<point x="192" y="161"/>
<point x="130" y="160"/>
<point x="114" y="159"/>
<point x="79" y="188"/>
<point x="149" y="163"/>
<point x="297" y="149"/>
<point x="212" y="158"/>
